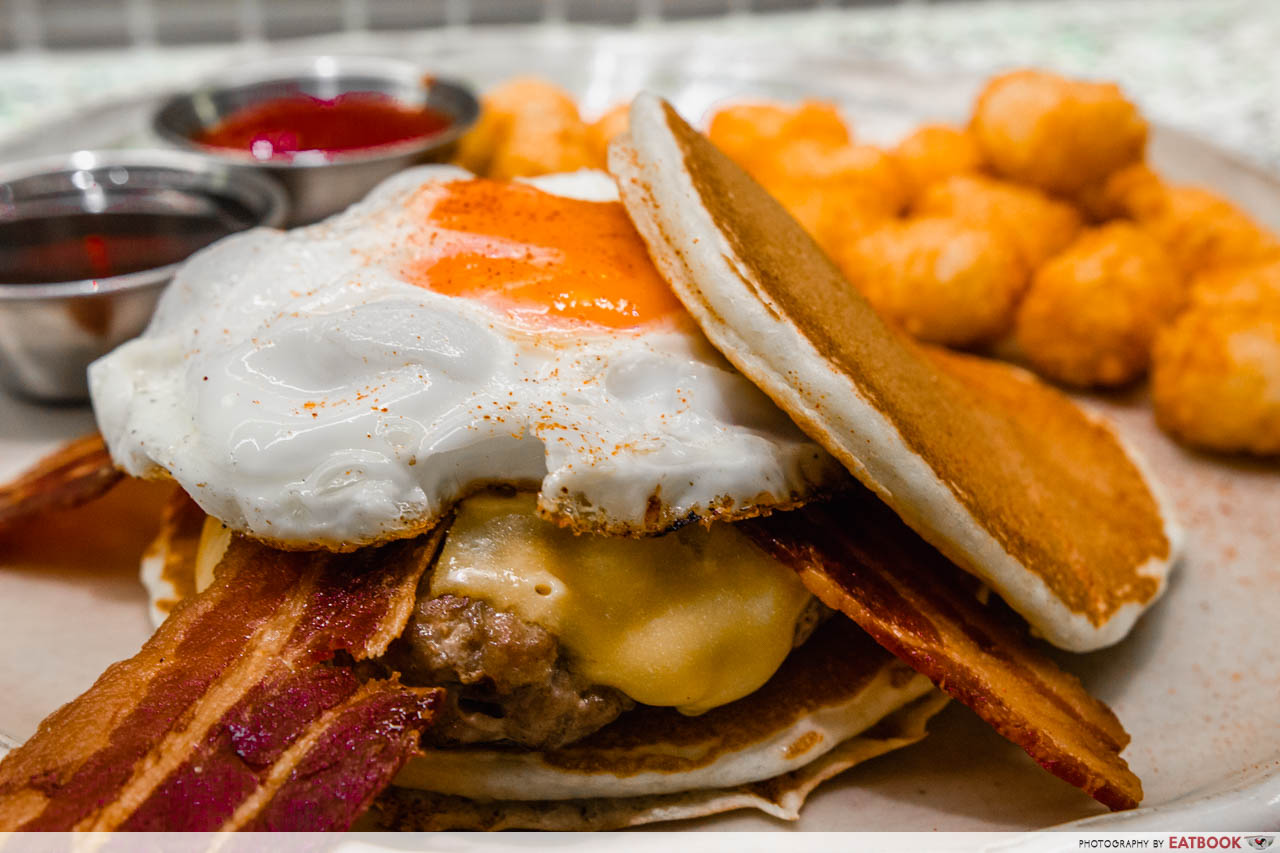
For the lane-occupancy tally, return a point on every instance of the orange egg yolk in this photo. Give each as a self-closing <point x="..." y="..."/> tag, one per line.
<point x="543" y="259"/>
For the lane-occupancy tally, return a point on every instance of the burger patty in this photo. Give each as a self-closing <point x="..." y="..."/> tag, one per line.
<point x="507" y="679"/>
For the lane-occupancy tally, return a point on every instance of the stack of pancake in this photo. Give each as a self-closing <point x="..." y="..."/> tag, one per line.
<point x="739" y="652"/>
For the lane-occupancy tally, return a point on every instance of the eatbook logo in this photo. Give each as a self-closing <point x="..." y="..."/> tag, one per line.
<point x="1261" y="842"/>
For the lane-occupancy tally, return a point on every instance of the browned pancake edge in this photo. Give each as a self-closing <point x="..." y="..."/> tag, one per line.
<point x="1003" y="474"/>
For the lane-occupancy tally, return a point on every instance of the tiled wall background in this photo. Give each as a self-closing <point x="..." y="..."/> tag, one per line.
<point x="1208" y="66"/>
<point x="78" y="24"/>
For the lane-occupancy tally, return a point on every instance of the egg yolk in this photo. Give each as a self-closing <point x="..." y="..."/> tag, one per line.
<point x="544" y="259"/>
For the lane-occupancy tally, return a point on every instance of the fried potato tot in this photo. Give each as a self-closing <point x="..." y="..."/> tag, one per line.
<point x="477" y="146"/>
<point x="1200" y="229"/>
<point x="933" y="152"/>
<point x="1038" y="225"/>
<point x="749" y="133"/>
<point x="833" y="216"/>
<point x="1056" y="134"/>
<point x="1255" y="285"/>
<point x="1092" y="312"/>
<point x="939" y="279"/>
<point x="1134" y="192"/>
<point x="784" y="146"/>
<point x="868" y="175"/>
<point x="1215" y="379"/>
<point x="527" y="127"/>
<point x="602" y="131"/>
<point x="804" y="156"/>
<point x="1203" y="231"/>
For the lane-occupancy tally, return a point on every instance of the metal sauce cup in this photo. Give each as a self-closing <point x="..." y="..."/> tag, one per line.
<point x="320" y="183"/>
<point x="50" y="332"/>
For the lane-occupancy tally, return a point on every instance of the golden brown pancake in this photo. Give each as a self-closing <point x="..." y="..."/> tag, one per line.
<point x="815" y="717"/>
<point x="858" y="558"/>
<point x="168" y="564"/>
<point x="1002" y="474"/>
<point x="837" y="701"/>
<point x="782" y="796"/>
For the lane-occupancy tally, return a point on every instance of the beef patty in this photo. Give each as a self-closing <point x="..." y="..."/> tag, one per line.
<point x="507" y="679"/>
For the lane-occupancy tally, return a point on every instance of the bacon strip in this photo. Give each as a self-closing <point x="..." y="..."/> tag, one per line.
<point x="858" y="557"/>
<point x="235" y="715"/>
<point x="75" y="473"/>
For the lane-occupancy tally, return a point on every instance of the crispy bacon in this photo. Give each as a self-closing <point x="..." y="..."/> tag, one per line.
<point x="858" y="557"/>
<point x="75" y="473"/>
<point x="236" y="715"/>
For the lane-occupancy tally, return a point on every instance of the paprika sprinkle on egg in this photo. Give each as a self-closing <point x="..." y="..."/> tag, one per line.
<point x="544" y="259"/>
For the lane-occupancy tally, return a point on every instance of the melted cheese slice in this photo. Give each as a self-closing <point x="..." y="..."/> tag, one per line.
<point x="692" y="620"/>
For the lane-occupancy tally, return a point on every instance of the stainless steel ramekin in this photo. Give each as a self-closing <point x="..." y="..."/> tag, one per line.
<point x="320" y="183"/>
<point x="50" y="332"/>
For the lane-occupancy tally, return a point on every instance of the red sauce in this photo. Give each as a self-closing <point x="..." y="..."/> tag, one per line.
<point x="350" y="122"/>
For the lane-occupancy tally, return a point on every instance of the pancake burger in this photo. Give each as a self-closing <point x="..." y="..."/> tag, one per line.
<point x="520" y="505"/>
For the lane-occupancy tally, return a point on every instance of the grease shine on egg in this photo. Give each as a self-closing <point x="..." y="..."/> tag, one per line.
<point x="347" y="383"/>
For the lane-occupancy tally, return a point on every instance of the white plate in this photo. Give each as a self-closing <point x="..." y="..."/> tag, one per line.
<point x="1197" y="684"/>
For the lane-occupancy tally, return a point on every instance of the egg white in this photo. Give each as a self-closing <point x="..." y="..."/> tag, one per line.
<point x="302" y="391"/>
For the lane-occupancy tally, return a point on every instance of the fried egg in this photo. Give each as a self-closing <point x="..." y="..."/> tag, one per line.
<point x="347" y="383"/>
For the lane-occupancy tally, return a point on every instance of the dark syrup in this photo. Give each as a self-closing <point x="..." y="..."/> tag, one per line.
<point x="76" y="246"/>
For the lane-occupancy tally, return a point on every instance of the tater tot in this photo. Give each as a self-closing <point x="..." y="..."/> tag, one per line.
<point x="1202" y="230"/>
<point x="817" y="120"/>
<point x="477" y="146"/>
<point x="803" y="155"/>
<point x="1215" y="379"/>
<point x="1255" y="285"/>
<point x="1039" y="226"/>
<point x="602" y="131"/>
<point x="1056" y="134"/>
<point x="939" y="279"/>
<point x="1091" y="312"/>
<point x="1134" y="192"/>
<point x="933" y="152"/>
<point x="831" y="214"/>
<point x="749" y="133"/>
<point x="528" y="127"/>
<point x="865" y="172"/>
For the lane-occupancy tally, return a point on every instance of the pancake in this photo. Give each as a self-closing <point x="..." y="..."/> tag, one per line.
<point x="780" y="796"/>
<point x="836" y="701"/>
<point x="168" y="570"/>
<point x="1005" y="476"/>
<point x="943" y="439"/>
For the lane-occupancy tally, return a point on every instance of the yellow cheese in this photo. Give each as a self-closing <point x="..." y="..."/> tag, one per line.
<point x="692" y="620"/>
